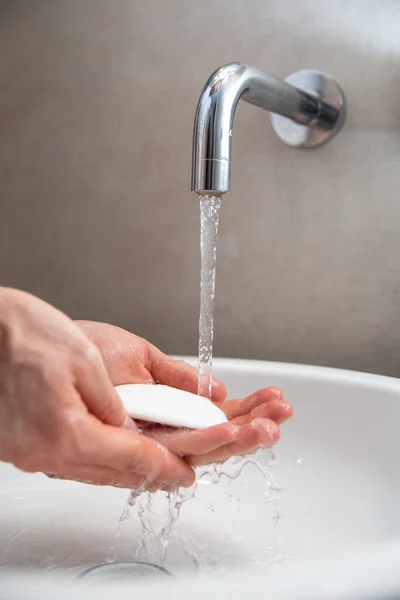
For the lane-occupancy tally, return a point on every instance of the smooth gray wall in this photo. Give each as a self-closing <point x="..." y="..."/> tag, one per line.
<point x="97" y="99"/>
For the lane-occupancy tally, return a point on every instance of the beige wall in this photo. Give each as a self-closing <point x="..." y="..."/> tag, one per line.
<point x="96" y="109"/>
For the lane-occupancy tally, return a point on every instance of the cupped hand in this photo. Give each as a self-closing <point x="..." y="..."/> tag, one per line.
<point x="253" y="421"/>
<point x="59" y="412"/>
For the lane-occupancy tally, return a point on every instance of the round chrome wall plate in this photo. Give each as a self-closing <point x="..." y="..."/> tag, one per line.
<point x="310" y="136"/>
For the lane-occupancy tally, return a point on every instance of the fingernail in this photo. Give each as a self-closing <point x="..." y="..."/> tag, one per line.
<point x="129" y="424"/>
<point x="288" y="408"/>
<point x="273" y="431"/>
<point x="170" y="488"/>
<point x="273" y="406"/>
<point x="270" y="427"/>
<point x="186" y="483"/>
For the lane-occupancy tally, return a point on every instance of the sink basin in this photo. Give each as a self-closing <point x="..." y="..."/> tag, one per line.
<point x="324" y="508"/>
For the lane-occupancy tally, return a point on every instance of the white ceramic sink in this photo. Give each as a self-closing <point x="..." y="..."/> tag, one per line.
<point x="339" y="468"/>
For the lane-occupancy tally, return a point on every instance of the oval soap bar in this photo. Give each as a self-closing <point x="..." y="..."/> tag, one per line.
<point x="169" y="406"/>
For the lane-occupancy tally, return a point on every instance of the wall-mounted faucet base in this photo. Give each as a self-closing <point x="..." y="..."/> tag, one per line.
<point x="322" y="87"/>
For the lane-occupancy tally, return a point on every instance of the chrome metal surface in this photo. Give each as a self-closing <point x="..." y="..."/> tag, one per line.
<point x="322" y="87"/>
<point x="213" y="126"/>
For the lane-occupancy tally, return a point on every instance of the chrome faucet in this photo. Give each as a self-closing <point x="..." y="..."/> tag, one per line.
<point x="308" y="110"/>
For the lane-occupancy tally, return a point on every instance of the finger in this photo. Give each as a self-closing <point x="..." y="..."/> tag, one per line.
<point x="104" y="476"/>
<point x="124" y="450"/>
<point x="258" y="433"/>
<point x="97" y="392"/>
<point x="98" y="475"/>
<point x="179" y="374"/>
<point x="237" y="408"/>
<point x="200" y="441"/>
<point x="276" y="410"/>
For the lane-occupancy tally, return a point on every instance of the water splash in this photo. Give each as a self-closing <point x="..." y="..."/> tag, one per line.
<point x="155" y="539"/>
<point x="209" y="222"/>
<point x="126" y="513"/>
<point x="175" y="502"/>
<point x="266" y="464"/>
<point x="144" y="512"/>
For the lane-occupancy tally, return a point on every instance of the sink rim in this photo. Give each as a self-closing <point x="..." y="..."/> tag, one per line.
<point x="302" y="370"/>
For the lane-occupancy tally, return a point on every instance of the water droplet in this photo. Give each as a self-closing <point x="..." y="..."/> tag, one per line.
<point x="299" y="460"/>
<point x="215" y="476"/>
<point x="276" y="515"/>
<point x="112" y="556"/>
<point x="274" y="487"/>
<point x="164" y="542"/>
<point x="237" y="503"/>
<point x="211" y="507"/>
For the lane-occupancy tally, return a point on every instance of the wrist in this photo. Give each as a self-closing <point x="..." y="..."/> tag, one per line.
<point x="8" y="300"/>
<point x="14" y="306"/>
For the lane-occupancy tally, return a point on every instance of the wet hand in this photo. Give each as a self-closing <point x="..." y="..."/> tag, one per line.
<point x="132" y="359"/>
<point x="253" y="421"/>
<point x="59" y="412"/>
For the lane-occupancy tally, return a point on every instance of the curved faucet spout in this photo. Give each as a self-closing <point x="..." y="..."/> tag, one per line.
<point x="212" y="138"/>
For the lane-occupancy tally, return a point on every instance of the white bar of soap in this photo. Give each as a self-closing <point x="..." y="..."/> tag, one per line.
<point x="169" y="406"/>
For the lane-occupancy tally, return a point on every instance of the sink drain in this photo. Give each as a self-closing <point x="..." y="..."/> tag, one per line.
<point x="117" y="572"/>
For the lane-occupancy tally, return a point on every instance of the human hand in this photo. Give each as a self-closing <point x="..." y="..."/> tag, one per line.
<point x="132" y="359"/>
<point x="59" y="412"/>
<point x="253" y="421"/>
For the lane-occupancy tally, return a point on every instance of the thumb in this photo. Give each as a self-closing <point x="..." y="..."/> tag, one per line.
<point x="179" y="374"/>
<point x="99" y="395"/>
